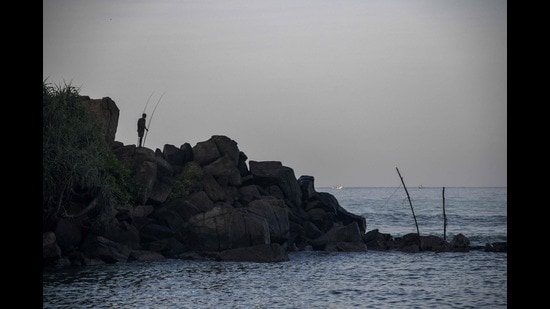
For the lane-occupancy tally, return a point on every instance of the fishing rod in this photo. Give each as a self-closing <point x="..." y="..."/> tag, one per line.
<point x="147" y="102"/>
<point x="150" y="118"/>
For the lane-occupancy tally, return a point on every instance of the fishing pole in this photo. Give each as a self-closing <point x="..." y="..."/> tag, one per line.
<point x="147" y="102"/>
<point x="150" y="118"/>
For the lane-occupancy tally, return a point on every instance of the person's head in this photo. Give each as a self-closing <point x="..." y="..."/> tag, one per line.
<point x="144" y="115"/>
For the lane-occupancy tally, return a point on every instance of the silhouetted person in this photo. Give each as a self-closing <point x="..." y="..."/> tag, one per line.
<point x="141" y="128"/>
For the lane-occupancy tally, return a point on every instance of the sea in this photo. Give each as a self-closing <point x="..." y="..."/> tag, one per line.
<point x="312" y="279"/>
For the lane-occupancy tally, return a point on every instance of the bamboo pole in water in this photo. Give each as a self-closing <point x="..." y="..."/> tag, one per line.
<point x="410" y="203"/>
<point x="444" y="218"/>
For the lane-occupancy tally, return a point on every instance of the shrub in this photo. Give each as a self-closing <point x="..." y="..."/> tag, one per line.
<point x="77" y="164"/>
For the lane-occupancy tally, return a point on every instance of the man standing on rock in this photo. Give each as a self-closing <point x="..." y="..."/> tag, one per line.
<point x="141" y="128"/>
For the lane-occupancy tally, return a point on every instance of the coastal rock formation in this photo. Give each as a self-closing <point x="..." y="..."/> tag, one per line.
<point x="223" y="206"/>
<point x="105" y="113"/>
<point x="206" y="200"/>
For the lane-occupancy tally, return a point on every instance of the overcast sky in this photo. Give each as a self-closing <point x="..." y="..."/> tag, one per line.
<point x="343" y="90"/>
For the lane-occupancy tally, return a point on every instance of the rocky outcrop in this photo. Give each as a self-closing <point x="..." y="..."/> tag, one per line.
<point x="105" y="113"/>
<point x="206" y="200"/>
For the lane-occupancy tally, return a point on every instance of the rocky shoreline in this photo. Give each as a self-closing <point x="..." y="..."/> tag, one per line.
<point x="230" y="211"/>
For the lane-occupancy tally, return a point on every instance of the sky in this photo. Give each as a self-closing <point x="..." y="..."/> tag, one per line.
<point x="344" y="91"/>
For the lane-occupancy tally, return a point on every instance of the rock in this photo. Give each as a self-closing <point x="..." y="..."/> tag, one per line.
<point x="496" y="247"/>
<point x="164" y="168"/>
<point x="241" y="165"/>
<point x="460" y="243"/>
<point x="322" y="219"/>
<point x="307" y="186"/>
<point x="342" y="214"/>
<point x="202" y="201"/>
<point x="346" y="247"/>
<point x="224" y="167"/>
<point x="433" y="243"/>
<point x="248" y="193"/>
<point x="205" y="152"/>
<point x="225" y="227"/>
<point x="324" y="210"/>
<point x="123" y="233"/>
<point x="106" y="250"/>
<point x="173" y="155"/>
<point x="152" y="231"/>
<point x="275" y="214"/>
<point x="349" y="233"/>
<point x="311" y="231"/>
<point x="269" y="173"/>
<point x="176" y="213"/>
<point x="408" y="243"/>
<point x="68" y="234"/>
<point x="213" y="189"/>
<point x="266" y="253"/>
<point x="227" y="147"/>
<point x="142" y="163"/>
<point x="145" y="256"/>
<point x="105" y="114"/>
<point x="139" y="215"/>
<point x="161" y="190"/>
<point x="50" y="250"/>
<point x="187" y="152"/>
<point x="377" y="241"/>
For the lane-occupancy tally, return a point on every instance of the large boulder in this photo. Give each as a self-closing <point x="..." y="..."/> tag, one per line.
<point x="227" y="147"/>
<point x="248" y="193"/>
<point x="377" y="241"/>
<point x="98" y="247"/>
<point x="139" y="215"/>
<point x="226" y="168"/>
<point x="307" y="186"/>
<point x="68" y="233"/>
<point x="275" y="214"/>
<point x="408" y="243"/>
<point x="161" y="190"/>
<point x="142" y="163"/>
<point x="123" y="233"/>
<point x="460" y="243"/>
<point x="213" y="189"/>
<point x="342" y="215"/>
<point x="333" y="239"/>
<point x="205" y="152"/>
<point x="225" y="227"/>
<point x="273" y="173"/>
<point x="105" y="114"/>
<point x="173" y="155"/>
<point x="153" y="231"/>
<point x="433" y="243"/>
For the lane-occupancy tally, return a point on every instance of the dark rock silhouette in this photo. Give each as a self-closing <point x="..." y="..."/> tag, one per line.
<point x="105" y="113"/>
<point x="205" y="201"/>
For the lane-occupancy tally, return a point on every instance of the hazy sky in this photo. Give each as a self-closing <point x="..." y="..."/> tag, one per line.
<point x="342" y="90"/>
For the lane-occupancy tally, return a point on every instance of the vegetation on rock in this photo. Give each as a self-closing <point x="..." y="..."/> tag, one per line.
<point x="78" y="166"/>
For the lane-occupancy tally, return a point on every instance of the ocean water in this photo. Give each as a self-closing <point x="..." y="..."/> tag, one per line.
<point x="369" y="279"/>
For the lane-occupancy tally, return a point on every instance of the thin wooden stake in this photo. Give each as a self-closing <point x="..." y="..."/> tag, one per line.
<point x="444" y="218"/>
<point x="410" y="203"/>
